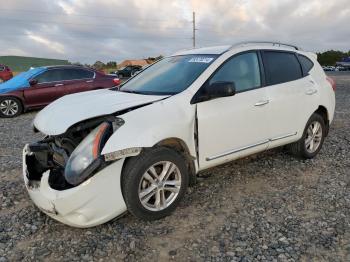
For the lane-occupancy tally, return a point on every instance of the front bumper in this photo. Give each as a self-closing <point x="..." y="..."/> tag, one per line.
<point x="95" y="201"/>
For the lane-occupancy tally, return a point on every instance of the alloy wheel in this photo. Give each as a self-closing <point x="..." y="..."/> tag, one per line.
<point x="313" y="137"/>
<point x="159" y="186"/>
<point x="9" y="107"/>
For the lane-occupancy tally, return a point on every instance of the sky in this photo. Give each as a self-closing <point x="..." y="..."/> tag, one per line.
<point x="113" y="30"/>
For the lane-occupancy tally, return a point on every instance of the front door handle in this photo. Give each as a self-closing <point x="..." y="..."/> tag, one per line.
<point x="59" y="85"/>
<point x="89" y="81"/>
<point x="261" y="103"/>
<point x="311" y="92"/>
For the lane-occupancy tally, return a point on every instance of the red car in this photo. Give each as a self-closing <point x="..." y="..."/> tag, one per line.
<point x="38" y="87"/>
<point x="5" y="73"/>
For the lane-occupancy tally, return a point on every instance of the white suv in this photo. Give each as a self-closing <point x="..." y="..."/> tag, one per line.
<point x="139" y="146"/>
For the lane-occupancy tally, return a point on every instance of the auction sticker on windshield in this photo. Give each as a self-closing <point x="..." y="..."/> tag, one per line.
<point x="200" y="59"/>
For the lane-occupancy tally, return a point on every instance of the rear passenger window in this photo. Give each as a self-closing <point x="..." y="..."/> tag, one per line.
<point x="81" y="74"/>
<point x="281" y="67"/>
<point x="306" y="64"/>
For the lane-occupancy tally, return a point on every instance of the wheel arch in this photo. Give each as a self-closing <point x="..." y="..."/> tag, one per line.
<point x="20" y="99"/>
<point x="323" y="112"/>
<point x="180" y="146"/>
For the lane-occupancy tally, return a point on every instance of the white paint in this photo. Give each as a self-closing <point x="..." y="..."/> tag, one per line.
<point x="86" y="205"/>
<point x="228" y="124"/>
<point x="58" y="116"/>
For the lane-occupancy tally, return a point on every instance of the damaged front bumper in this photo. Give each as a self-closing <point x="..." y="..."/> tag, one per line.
<point x="95" y="201"/>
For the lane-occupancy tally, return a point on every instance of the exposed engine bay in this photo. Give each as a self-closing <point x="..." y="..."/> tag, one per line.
<point x="53" y="152"/>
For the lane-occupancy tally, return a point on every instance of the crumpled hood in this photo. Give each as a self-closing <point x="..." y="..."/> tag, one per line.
<point x="58" y="116"/>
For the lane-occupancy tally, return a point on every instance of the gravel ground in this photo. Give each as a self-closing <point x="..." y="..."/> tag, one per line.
<point x="266" y="207"/>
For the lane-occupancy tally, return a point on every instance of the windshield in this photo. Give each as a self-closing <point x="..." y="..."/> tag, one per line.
<point x="169" y="76"/>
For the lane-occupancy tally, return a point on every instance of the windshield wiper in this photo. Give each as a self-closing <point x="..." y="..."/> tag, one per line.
<point x="129" y="91"/>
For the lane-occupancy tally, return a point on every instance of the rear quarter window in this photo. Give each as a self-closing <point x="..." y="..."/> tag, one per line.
<point x="281" y="67"/>
<point x="306" y="64"/>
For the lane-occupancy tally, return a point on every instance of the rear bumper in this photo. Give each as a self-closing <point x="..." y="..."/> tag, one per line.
<point x="95" y="201"/>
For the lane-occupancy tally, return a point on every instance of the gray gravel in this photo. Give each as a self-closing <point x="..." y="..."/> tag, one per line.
<point x="266" y="207"/>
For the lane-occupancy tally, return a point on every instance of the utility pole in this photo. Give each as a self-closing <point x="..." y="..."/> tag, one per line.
<point x="194" y="29"/>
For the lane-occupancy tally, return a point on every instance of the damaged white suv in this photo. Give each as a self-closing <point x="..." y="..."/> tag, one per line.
<point x="138" y="147"/>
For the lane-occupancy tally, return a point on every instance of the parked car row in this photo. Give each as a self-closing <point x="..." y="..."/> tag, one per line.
<point x="40" y="86"/>
<point x="335" y="68"/>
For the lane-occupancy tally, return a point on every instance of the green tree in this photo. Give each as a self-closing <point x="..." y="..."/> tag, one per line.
<point x="331" y="57"/>
<point x="111" y="64"/>
<point x="98" y="65"/>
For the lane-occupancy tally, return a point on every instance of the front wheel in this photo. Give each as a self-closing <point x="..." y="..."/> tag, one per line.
<point x="154" y="182"/>
<point x="312" y="140"/>
<point x="10" y="107"/>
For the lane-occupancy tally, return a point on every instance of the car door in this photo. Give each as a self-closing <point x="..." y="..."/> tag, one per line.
<point x="46" y="90"/>
<point x="286" y="89"/>
<point x="235" y="126"/>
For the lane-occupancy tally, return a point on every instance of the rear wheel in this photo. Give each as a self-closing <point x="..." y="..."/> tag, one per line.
<point x="10" y="107"/>
<point x="154" y="182"/>
<point x="312" y="140"/>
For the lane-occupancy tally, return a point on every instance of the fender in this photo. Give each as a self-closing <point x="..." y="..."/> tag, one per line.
<point x="149" y="125"/>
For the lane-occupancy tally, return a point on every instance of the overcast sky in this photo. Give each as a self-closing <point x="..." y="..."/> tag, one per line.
<point x="114" y="30"/>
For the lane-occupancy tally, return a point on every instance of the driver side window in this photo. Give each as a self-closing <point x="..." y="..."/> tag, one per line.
<point x="241" y="69"/>
<point x="49" y="76"/>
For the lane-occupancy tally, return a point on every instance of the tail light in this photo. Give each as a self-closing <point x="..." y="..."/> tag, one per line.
<point x="332" y="82"/>
<point x="116" y="81"/>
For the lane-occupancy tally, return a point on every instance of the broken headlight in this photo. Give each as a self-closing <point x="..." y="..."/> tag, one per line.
<point x="86" y="157"/>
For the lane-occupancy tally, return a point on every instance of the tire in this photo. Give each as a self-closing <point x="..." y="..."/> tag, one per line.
<point x="10" y="107"/>
<point x="301" y="148"/>
<point x="134" y="183"/>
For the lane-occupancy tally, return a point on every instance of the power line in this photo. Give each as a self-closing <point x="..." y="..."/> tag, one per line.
<point x="194" y="29"/>
<point x="86" y="15"/>
<point x="80" y="24"/>
<point x="96" y="36"/>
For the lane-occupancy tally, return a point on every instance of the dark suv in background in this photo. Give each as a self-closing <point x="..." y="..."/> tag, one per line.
<point x="40" y="86"/>
<point x="128" y="71"/>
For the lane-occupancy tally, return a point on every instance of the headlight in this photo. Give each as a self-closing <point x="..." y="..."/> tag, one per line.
<point x="86" y="156"/>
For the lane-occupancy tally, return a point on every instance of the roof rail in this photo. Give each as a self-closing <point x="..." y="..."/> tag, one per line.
<point x="274" y="43"/>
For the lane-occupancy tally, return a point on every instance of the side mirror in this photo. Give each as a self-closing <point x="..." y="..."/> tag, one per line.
<point x="220" y="89"/>
<point x="33" y="82"/>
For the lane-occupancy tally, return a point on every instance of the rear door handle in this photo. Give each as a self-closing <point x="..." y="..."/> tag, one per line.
<point x="311" y="92"/>
<point x="261" y="103"/>
<point x="59" y="85"/>
<point x="89" y="81"/>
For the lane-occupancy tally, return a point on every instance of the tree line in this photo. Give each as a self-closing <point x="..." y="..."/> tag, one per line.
<point x="331" y="57"/>
<point x="98" y="65"/>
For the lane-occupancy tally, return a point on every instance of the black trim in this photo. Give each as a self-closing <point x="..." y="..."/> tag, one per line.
<point x="302" y="69"/>
<point x="262" y="69"/>
<point x="198" y="97"/>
